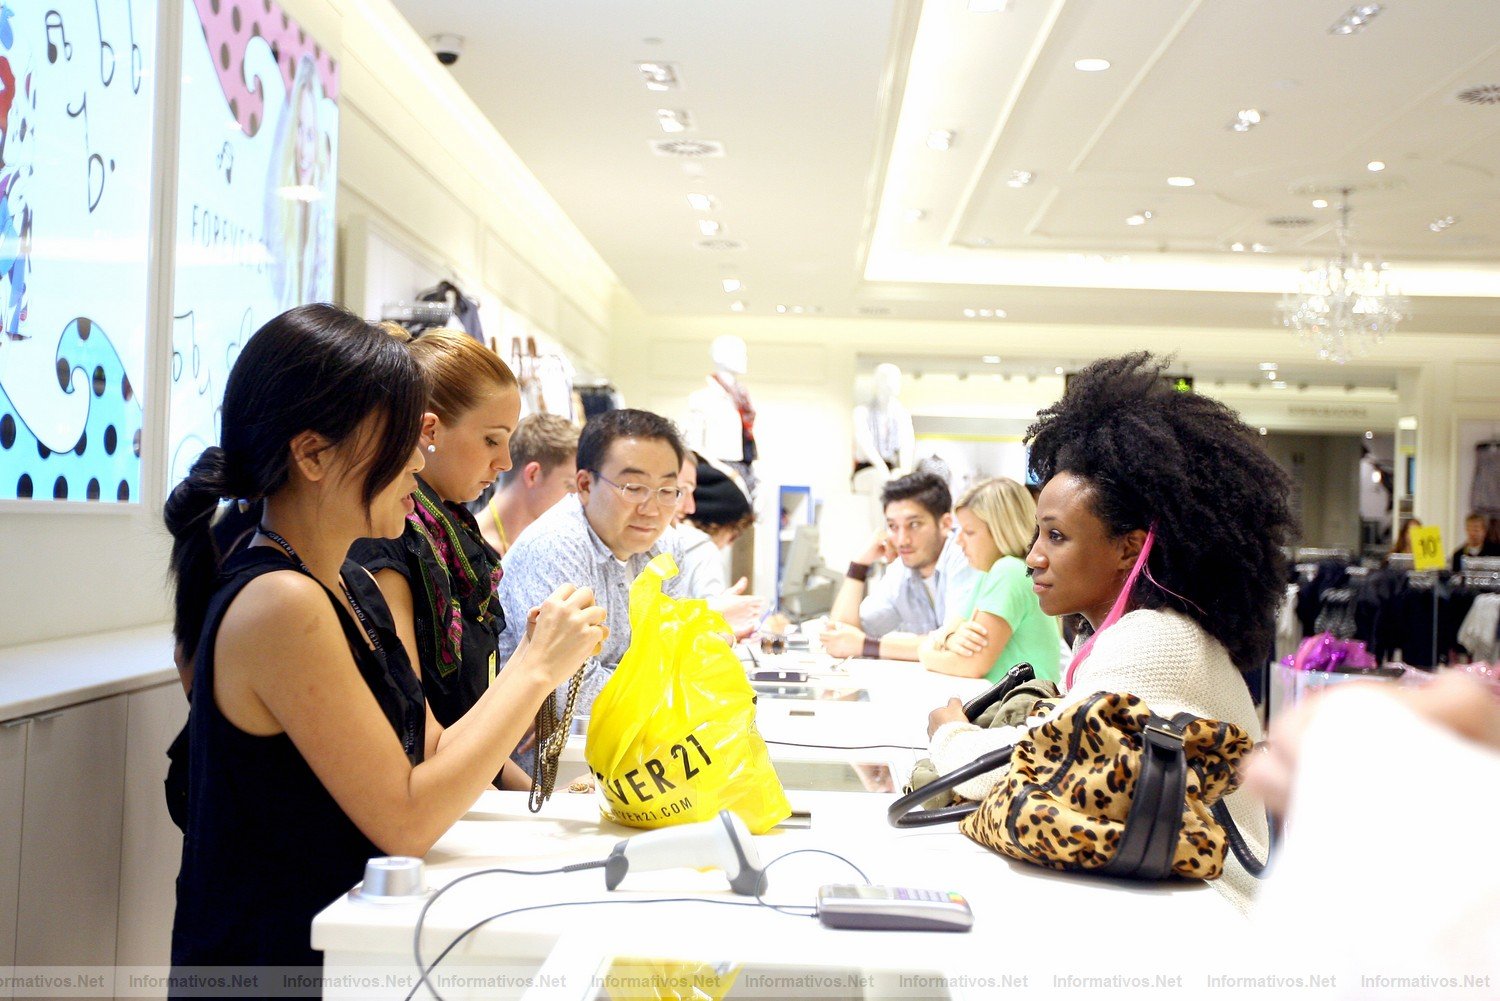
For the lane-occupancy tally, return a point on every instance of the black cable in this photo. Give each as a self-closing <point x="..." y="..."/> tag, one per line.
<point x="424" y="971"/>
<point x="416" y="940"/>
<point x="848" y="747"/>
<point x="806" y="851"/>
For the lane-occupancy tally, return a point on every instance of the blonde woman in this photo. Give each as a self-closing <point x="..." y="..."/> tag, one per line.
<point x="1001" y="624"/>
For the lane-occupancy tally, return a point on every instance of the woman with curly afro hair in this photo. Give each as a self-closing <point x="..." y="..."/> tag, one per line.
<point x="1161" y="521"/>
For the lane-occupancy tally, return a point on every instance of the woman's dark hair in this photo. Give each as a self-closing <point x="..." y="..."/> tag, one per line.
<point x="720" y="500"/>
<point x="1189" y="466"/>
<point x="313" y="368"/>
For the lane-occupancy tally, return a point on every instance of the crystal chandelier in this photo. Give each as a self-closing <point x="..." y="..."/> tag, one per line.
<point x="1346" y="305"/>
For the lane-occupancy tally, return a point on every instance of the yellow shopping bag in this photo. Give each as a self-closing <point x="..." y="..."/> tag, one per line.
<point x="672" y="736"/>
<point x="631" y="979"/>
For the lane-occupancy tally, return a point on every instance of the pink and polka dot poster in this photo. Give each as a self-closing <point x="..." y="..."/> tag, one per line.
<point x="77" y="138"/>
<point x="257" y="172"/>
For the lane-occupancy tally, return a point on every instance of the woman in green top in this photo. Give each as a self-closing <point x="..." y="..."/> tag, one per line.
<point x="1001" y="624"/>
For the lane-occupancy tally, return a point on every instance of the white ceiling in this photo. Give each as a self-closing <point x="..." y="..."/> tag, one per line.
<point x="824" y="106"/>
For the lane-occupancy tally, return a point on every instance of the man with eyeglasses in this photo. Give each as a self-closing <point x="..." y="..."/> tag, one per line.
<point x="603" y="536"/>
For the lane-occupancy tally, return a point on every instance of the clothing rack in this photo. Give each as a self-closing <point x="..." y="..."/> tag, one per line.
<point x="1482" y="564"/>
<point x="1313" y="554"/>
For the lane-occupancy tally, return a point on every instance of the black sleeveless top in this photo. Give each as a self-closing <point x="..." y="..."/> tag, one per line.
<point x="266" y="846"/>
<point x="443" y="604"/>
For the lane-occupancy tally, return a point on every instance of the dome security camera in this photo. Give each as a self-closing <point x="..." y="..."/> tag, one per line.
<point x="447" y="48"/>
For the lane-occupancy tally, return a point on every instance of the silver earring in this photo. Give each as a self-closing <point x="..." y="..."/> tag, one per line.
<point x="432" y="448"/>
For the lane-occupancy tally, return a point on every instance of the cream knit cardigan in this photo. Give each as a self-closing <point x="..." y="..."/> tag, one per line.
<point x="1169" y="662"/>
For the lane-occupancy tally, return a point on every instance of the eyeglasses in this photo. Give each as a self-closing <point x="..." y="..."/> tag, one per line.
<point x="637" y="494"/>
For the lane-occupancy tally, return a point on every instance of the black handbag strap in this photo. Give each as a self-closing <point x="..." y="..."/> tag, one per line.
<point x="1237" y="843"/>
<point x="1149" y="840"/>
<point x="1013" y="679"/>
<point x="1220" y="812"/>
<point x="905" y="813"/>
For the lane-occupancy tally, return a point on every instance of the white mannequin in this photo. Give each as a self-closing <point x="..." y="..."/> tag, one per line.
<point x="883" y="434"/>
<point x="712" y="425"/>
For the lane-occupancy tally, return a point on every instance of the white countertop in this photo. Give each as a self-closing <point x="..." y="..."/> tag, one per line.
<point x="1020" y="911"/>
<point x="39" y="677"/>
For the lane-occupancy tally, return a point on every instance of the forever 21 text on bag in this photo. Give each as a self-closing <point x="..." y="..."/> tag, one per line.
<point x="672" y="736"/>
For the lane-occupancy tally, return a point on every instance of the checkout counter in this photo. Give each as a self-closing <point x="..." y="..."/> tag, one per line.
<point x="842" y="758"/>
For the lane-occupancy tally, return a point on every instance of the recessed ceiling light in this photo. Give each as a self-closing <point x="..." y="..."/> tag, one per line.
<point x="659" y="76"/>
<point x="1238" y="248"/>
<point x="940" y="139"/>
<point x="780" y="309"/>
<point x="1058" y="370"/>
<point x="916" y="215"/>
<point x="990" y="359"/>
<point x="1438" y="225"/>
<point x="1375" y="166"/>
<point x="1020" y="178"/>
<point x="1271" y="375"/>
<point x="702" y="203"/>
<point x="737" y="306"/>
<point x="1139" y="219"/>
<point x="732" y="284"/>
<point x="708" y="227"/>
<point x="673" y="120"/>
<point x="1260" y="248"/>
<point x="1355" y="19"/>
<point x="971" y="313"/>
<point x="1246" y="119"/>
<point x="1091" y="65"/>
<point x="988" y="6"/>
<point x="1320" y="203"/>
<point x="1369" y="435"/>
<point x="1181" y="182"/>
<point x="1262" y="430"/>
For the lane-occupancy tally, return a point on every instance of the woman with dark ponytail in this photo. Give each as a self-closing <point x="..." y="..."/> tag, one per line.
<point x="311" y="747"/>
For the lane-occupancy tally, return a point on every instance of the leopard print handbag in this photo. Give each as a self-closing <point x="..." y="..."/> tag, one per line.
<point x="1110" y="787"/>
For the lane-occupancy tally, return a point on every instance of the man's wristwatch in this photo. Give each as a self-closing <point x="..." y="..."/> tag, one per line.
<point x="858" y="571"/>
<point x="871" y="648"/>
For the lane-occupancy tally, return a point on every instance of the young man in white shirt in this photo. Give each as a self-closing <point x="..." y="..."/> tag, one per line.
<point x="926" y="577"/>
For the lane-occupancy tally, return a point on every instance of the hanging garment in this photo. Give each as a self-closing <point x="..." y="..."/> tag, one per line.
<point x="1288" y="627"/>
<point x="746" y="410"/>
<point x="887" y="429"/>
<point x="465" y="310"/>
<point x="1484" y="493"/>
<point x="1478" y="634"/>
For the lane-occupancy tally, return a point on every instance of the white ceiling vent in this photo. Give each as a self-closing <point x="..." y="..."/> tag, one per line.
<point x="687" y="149"/>
<point x="1488" y="93"/>
<point x="720" y="244"/>
<point x="873" y="310"/>
<point x="1289" y="222"/>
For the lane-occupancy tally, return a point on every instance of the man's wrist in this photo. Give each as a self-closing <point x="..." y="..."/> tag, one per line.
<point x="871" y="648"/>
<point x="858" y="571"/>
